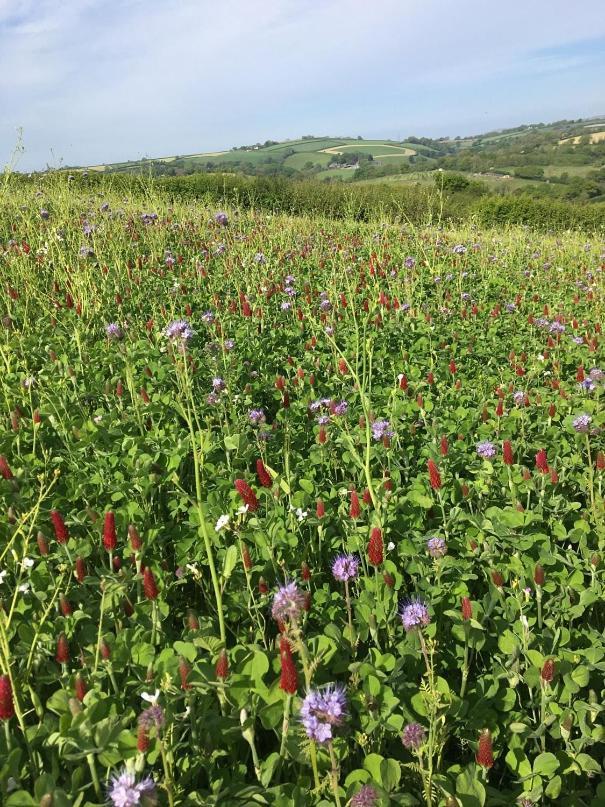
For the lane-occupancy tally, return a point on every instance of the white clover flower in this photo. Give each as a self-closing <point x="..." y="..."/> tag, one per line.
<point x="3" y="574"/>
<point x="24" y="588"/>
<point x="301" y="514"/>
<point x="27" y="563"/>
<point x="242" y="510"/>
<point x="147" y="696"/>
<point x="222" y="523"/>
<point x="390" y="546"/>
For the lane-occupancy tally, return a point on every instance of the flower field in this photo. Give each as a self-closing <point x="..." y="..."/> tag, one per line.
<point x="296" y="512"/>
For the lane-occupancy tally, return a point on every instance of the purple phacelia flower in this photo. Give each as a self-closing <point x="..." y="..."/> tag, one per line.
<point x="288" y="603"/>
<point x="125" y="791"/>
<point x="436" y="547"/>
<point x="341" y="408"/>
<point x="179" y="330"/>
<point x="459" y="249"/>
<point x="486" y="450"/>
<point x="409" y="262"/>
<point x="582" y="423"/>
<point x="113" y="331"/>
<point x="322" y="711"/>
<point x="367" y="796"/>
<point x="345" y="567"/>
<point x="152" y="717"/>
<point x="414" y="615"/>
<point x="413" y="736"/>
<point x="218" y="384"/>
<point x="256" y="416"/>
<point x="381" y="429"/>
<point x="221" y="219"/>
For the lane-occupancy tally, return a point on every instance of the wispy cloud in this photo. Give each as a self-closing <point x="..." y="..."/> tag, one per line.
<point x="98" y="80"/>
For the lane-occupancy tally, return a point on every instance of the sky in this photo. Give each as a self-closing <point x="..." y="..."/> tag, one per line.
<point x="92" y="81"/>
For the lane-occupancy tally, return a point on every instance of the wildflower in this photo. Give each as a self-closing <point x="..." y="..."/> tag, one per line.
<point x="355" y="508"/>
<point x="288" y="681"/>
<point x="149" y="585"/>
<point x="256" y="416"/>
<point x="62" y="651"/>
<point x="582" y="423"/>
<point x="539" y="575"/>
<point x="222" y="666"/>
<point x="263" y="475"/>
<point x="109" y="532"/>
<point x="221" y="523"/>
<point x="320" y="509"/>
<point x="507" y="452"/>
<point x="345" y="567"/>
<point x="548" y="671"/>
<point x="485" y="755"/>
<point x="367" y="796"/>
<point x="7" y="707"/>
<point x="5" y="469"/>
<point x="467" y="609"/>
<point x="152" y="717"/>
<point x="434" y="475"/>
<point x="322" y="711"/>
<point x="542" y="461"/>
<point x="415" y="615"/>
<point x="519" y="398"/>
<point x="113" y="331"/>
<point x="247" y="494"/>
<point x="486" y="450"/>
<point x="375" y="547"/>
<point x="288" y="603"/>
<point x="413" y="736"/>
<point x="221" y="219"/>
<point x="381" y="429"/>
<point x="218" y="384"/>
<point x="436" y="547"/>
<point x="340" y="408"/>
<point x="125" y="791"/>
<point x="61" y="531"/>
<point x="179" y="330"/>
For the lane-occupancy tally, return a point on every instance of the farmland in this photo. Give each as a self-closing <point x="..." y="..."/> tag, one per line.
<point x="296" y="511"/>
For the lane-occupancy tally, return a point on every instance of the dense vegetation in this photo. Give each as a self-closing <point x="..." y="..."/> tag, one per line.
<point x="563" y="160"/>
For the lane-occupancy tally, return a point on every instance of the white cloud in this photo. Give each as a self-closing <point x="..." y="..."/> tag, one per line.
<point x="98" y="80"/>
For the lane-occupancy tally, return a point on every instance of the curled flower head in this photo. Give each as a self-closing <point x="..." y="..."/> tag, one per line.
<point x="322" y="711"/>
<point x="221" y="219"/>
<point x="381" y="428"/>
<point x="125" y="791"/>
<point x="256" y="416"/>
<point x="486" y="450"/>
<point x="179" y="330"/>
<point x="413" y="736"/>
<point x="113" y="331"/>
<point x="582" y="423"/>
<point x="345" y="567"/>
<point x="415" y="615"/>
<point x="367" y="796"/>
<point x="436" y="547"/>
<point x="152" y="717"/>
<point x="288" y="603"/>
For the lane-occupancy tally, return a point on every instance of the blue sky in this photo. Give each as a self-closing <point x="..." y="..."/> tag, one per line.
<point x="93" y="81"/>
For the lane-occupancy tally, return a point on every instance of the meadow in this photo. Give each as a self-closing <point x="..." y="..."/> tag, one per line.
<point x="296" y="510"/>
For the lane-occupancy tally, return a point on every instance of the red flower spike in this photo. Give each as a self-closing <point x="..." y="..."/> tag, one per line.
<point x="376" y="547"/>
<point x="105" y="650"/>
<point x="263" y="588"/>
<point x="246" y="559"/>
<point x="320" y="509"/>
<point x="600" y="463"/>
<point x="149" y="585"/>
<point x="554" y="476"/>
<point x="61" y="531"/>
<point x="307" y="603"/>
<point x="80" y="687"/>
<point x="222" y="666"/>
<point x="193" y="622"/>
<point x="135" y="539"/>
<point x="507" y="452"/>
<point x="367" y="497"/>
<point x="62" y="652"/>
<point x="485" y="754"/>
<point x="389" y="580"/>
<point x="247" y="494"/>
<point x="65" y="605"/>
<point x="7" y="707"/>
<point x="539" y="575"/>
<point x="355" y="508"/>
<point x="542" y="461"/>
<point x="262" y="474"/>
<point x="444" y="446"/>
<point x="81" y="570"/>
<point x="497" y="579"/>
<point x="467" y="609"/>
<point x="184" y="670"/>
<point x="548" y="671"/>
<point x="109" y="532"/>
<point x="434" y="475"/>
<point x="42" y="543"/>
<point x="305" y="572"/>
<point x="288" y="680"/>
<point x="5" y="469"/>
<point x="142" y="740"/>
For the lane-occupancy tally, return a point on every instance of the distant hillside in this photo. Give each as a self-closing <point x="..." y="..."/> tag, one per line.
<point x="564" y="159"/>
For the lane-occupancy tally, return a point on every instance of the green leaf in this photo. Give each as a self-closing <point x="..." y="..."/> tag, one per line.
<point x="469" y="789"/>
<point x="545" y="764"/>
<point x="230" y="561"/>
